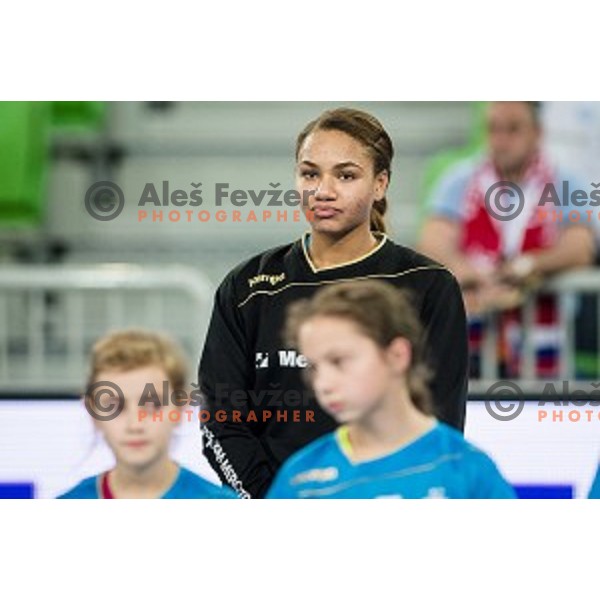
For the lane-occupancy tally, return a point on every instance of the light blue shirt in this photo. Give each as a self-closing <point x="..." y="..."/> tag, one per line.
<point x="188" y="485"/>
<point x="439" y="464"/>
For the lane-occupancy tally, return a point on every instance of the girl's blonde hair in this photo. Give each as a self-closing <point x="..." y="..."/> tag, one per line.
<point x="129" y="349"/>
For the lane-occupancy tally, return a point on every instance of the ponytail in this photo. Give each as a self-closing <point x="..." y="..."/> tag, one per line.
<point x="378" y="211"/>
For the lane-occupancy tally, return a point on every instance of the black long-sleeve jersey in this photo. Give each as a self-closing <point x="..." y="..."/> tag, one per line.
<point x="257" y="409"/>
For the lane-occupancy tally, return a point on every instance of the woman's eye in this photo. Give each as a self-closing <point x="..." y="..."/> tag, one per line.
<point x="308" y="174"/>
<point x="347" y="176"/>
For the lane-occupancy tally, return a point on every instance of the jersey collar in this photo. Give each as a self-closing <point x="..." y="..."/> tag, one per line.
<point x="305" y="244"/>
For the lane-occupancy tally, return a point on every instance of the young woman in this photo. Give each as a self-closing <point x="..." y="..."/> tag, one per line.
<point x="343" y="168"/>
<point x="136" y="363"/>
<point x="363" y="346"/>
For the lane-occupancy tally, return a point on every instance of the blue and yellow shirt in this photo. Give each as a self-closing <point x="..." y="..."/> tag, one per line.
<point x="438" y="464"/>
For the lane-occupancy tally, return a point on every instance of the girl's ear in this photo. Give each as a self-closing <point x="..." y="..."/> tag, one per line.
<point x="400" y="354"/>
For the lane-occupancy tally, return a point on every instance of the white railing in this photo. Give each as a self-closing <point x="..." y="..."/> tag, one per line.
<point x="51" y="315"/>
<point x="567" y="288"/>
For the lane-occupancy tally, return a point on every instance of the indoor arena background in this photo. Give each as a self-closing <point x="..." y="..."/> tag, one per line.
<point x="67" y="276"/>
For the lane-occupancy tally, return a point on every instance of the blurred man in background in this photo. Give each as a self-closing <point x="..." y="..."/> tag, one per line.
<point x="498" y="255"/>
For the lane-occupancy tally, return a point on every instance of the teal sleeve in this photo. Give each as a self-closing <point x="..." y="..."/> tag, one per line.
<point x="487" y="481"/>
<point x="280" y="488"/>
<point x="227" y="493"/>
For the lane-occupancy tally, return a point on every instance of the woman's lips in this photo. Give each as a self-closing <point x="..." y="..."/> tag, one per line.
<point x="325" y="212"/>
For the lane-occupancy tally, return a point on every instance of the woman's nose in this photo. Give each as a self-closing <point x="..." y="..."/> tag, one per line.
<point x="325" y="189"/>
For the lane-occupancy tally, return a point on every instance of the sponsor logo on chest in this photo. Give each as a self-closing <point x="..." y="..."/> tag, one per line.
<point x="282" y="358"/>
<point x="266" y="278"/>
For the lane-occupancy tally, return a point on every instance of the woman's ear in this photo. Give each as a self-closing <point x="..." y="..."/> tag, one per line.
<point x="382" y="181"/>
<point x="399" y="352"/>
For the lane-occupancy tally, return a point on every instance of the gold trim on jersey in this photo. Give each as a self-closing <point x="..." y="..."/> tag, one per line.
<point x="345" y="264"/>
<point x="342" y="280"/>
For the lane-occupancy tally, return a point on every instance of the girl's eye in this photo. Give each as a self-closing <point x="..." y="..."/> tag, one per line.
<point x="338" y="361"/>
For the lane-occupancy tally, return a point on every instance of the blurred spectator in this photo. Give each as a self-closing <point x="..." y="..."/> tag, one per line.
<point x="498" y="255"/>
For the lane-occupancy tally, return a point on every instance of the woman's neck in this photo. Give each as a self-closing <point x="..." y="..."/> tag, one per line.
<point x="148" y="482"/>
<point x="327" y="251"/>
<point x="396" y="422"/>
